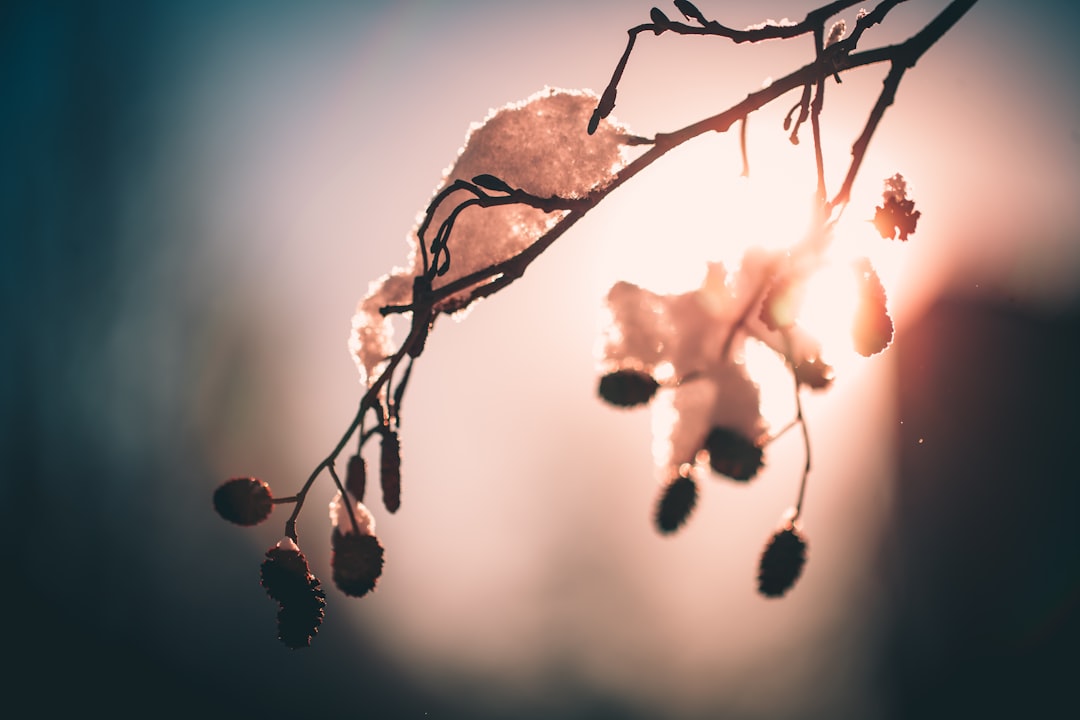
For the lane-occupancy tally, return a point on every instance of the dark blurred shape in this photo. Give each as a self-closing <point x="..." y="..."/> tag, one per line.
<point x="983" y="561"/>
<point x="782" y="562"/>
<point x="815" y="374"/>
<point x="627" y="387"/>
<point x="356" y="477"/>
<point x="677" y="501"/>
<point x="732" y="454"/>
<point x="897" y="214"/>
<point x="244" y="501"/>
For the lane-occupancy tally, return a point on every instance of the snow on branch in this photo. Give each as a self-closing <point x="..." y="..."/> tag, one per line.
<point x="523" y="178"/>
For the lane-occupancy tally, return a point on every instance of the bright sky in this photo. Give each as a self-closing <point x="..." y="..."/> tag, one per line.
<point x="524" y="550"/>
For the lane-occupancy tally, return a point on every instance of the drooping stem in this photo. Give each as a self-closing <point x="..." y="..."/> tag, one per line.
<point x="344" y="497"/>
<point x="801" y="420"/>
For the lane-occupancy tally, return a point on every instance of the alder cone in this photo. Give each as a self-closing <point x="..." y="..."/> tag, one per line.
<point x="390" y="470"/>
<point x="286" y="578"/>
<point x="244" y="501"/>
<point x="356" y="477"/>
<point x="627" y="388"/>
<point x="357" y="562"/>
<point x="873" y="328"/>
<point x="300" y="618"/>
<point x="677" y="501"/>
<point x="732" y="454"/>
<point x="285" y="575"/>
<point x="782" y="562"/>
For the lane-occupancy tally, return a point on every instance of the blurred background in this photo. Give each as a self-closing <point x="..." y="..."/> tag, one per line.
<point x="194" y="196"/>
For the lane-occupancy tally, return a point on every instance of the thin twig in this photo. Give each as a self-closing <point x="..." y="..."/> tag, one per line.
<point x="801" y="420"/>
<point x="448" y="298"/>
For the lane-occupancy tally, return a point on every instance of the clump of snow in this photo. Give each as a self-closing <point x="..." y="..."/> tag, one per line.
<point x="698" y="338"/>
<point x="539" y="145"/>
<point x="782" y="22"/>
<point x="724" y="396"/>
<point x="836" y="33"/>
<point x="370" y="340"/>
<point x="286" y="543"/>
<point x="339" y="516"/>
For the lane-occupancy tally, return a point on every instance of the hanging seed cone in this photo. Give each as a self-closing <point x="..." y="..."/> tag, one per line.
<point x="284" y="573"/>
<point x="357" y="562"/>
<point x="299" y="619"/>
<point x="782" y="562"/>
<point x="244" y="501"/>
<point x="356" y="477"/>
<point x="390" y="471"/>
<point x="732" y="454"/>
<point x="677" y="501"/>
<point x="627" y="388"/>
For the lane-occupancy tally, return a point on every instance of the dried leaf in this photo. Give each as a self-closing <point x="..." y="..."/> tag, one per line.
<point x="872" y="330"/>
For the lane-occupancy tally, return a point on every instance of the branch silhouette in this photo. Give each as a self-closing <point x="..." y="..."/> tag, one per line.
<point x="730" y="450"/>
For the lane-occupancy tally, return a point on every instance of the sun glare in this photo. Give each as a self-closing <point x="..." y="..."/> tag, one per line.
<point x="718" y="214"/>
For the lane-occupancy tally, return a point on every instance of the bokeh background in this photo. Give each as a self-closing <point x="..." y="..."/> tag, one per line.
<point x="193" y="197"/>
